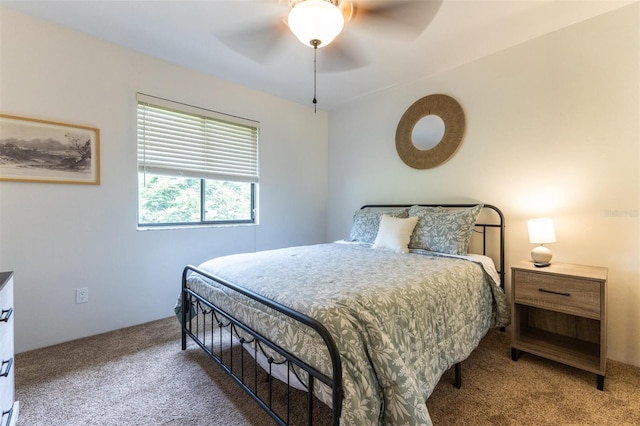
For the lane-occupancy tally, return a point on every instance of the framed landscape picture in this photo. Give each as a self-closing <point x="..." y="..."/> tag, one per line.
<point x="45" y="151"/>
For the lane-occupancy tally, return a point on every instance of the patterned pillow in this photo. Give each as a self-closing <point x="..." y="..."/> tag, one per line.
<point x="443" y="230"/>
<point x="366" y="222"/>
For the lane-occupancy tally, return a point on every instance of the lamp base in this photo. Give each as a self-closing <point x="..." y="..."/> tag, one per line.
<point x="541" y="264"/>
<point x="541" y="256"/>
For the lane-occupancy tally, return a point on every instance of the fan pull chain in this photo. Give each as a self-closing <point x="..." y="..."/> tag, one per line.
<point x="315" y="44"/>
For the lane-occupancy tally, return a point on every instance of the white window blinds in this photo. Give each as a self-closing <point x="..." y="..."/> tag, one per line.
<point x="182" y="140"/>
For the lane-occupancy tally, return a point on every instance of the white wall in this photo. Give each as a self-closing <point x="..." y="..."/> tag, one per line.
<point x="59" y="237"/>
<point x="552" y="129"/>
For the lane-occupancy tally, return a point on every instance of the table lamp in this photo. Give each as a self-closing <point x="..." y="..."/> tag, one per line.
<point x="541" y="231"/>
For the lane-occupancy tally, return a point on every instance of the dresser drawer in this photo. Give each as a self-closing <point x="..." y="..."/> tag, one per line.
<point x="6" y="298"/>
<point x="6" y="341"/>
<point x="6" y="321"/>
<point x="7" y="386"/>
<point x="10" y="415"/>
<point x="570" y="295"/>
<point x="7" y="367"/>
<point x="6" y="335"/>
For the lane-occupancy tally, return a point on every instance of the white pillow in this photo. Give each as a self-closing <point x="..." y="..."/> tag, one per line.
<point x="394" y="233"/>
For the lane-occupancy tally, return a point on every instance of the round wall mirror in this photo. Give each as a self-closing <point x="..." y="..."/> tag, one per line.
<point x="430" y="131"/>
<point x="427" y="132"/>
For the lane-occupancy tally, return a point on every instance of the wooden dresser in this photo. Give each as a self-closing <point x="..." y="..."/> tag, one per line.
<point x="8" y="405"/>
<point x="560" y="313"/>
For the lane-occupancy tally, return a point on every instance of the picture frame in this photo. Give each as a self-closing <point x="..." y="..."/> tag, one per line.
<point x="33" y="150"/>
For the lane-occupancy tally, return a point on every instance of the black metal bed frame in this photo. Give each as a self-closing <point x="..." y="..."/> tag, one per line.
<point x="200" y="319"/>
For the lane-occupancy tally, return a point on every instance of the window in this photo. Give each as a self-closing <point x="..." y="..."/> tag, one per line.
<point x="194" y="166"/>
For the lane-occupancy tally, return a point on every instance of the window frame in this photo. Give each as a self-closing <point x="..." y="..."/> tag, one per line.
<point x="205" y="115"/>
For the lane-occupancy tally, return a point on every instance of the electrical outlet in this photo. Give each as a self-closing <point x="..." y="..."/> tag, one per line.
<point x="82" y="295"/>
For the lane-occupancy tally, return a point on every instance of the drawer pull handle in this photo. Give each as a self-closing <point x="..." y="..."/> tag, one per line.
<point x="6" y="314"/>
<point x="4" y="371"/>
<point x="9" y="414"/>
<point x="554" y="292"/>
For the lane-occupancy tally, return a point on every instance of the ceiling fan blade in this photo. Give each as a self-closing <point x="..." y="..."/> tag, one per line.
<point x="342" y="54"/>
<point x="404" y="17"/>
<point x="261" y="43"/>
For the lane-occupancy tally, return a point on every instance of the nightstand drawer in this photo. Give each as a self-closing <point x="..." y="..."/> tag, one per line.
<point x="570" y="295"/>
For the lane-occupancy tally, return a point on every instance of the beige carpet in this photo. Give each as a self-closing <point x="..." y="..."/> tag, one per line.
<point x="139" y="376"/>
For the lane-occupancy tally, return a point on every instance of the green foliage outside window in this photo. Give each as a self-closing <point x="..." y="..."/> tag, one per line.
<point x="227" y="201"/>
<point x="177" y="200"/>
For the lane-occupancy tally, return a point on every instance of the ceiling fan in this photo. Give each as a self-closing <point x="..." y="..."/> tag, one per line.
<point x="345" y="30"/>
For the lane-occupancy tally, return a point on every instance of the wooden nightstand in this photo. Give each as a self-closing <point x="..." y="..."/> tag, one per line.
<point x="559" y="313"/>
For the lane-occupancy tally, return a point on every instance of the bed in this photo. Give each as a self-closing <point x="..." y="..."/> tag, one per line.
<point x="367" y="326"/>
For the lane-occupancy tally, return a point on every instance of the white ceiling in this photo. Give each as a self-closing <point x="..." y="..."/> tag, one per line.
<point x="188" y="33"/>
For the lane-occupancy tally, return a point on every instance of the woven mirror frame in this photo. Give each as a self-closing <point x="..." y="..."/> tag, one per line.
<point x="451" y="113"/>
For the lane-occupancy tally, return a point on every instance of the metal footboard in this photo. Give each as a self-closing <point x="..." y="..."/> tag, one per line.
<point x="204" y="323"/>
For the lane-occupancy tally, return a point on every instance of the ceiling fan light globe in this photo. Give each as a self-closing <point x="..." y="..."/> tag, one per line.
<point x="315" y="20"/>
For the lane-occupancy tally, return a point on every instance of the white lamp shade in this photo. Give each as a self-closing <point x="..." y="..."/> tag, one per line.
<point x="541" y="231"/>
<point x="316" y="20"/>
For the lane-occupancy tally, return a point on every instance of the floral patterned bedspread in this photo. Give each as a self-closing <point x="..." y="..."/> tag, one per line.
<point x="399" y="320"/>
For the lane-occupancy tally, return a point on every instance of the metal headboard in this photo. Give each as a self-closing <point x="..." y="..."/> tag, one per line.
<point x="490" y="218"/>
